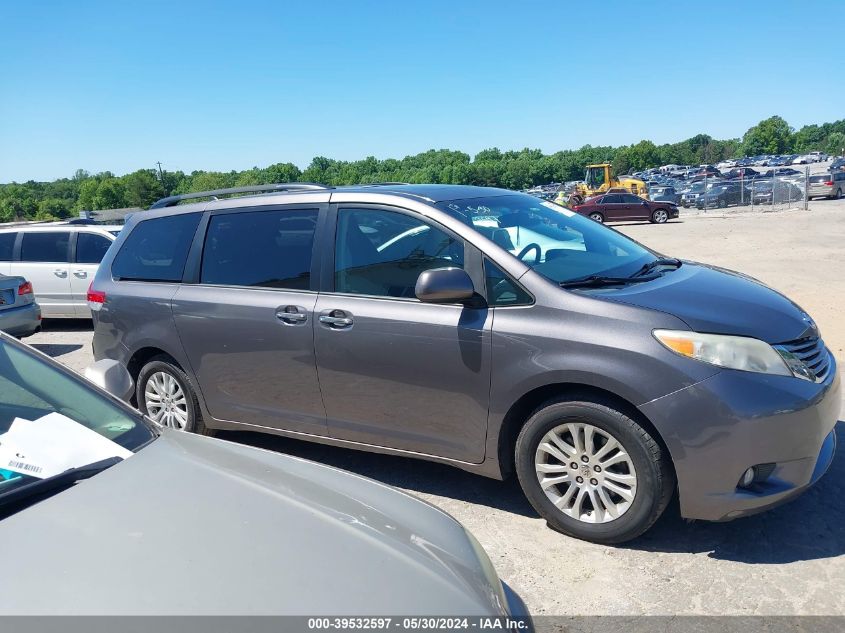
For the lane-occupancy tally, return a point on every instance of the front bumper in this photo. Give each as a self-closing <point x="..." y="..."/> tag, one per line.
<point x="718" y="428"/>
<point x="21" y="321"/>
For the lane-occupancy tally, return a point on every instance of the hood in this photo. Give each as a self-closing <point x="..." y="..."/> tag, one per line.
<point x="718" y="301"/>
<point x="192" y="525"/>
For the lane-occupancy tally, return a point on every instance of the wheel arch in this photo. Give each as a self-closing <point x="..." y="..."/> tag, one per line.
<point x="521" y="409"/>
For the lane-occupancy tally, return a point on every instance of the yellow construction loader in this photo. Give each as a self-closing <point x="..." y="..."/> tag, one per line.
<point x="598" y="180"/>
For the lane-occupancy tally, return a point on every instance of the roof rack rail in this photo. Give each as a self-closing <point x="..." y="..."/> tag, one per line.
<point x="172" y="201"/>
<point x="383" y="184"/>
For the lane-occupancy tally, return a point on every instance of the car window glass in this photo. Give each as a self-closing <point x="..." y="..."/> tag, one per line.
<point x="268" y="249"/>
<point x="156" y="249"/>
<point x="91" y="247"/>
<point x="613" y="199"/>
<point x="49" y="246"/>
<point x="631" y="199"/>
<point x="501" y="289"/>
<point x="382" y="253"/>
<point x="7" y="243"/>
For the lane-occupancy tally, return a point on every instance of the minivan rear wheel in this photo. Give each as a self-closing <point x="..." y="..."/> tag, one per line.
<point x="838" y="194"/>
<point x="165" y="394"/>
<point x="592" y="472"/>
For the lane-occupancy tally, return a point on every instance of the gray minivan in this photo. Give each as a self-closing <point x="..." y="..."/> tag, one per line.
<point x="477" y="327"/>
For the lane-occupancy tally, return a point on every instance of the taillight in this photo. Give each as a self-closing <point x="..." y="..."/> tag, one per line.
<point x="96" y="298"/>
<point x="829" y="183"/>
<point x="25" y="288"/>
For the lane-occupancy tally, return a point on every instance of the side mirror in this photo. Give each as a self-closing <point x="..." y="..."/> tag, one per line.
<point x="111" y="376"/>
<point x="444" y="285"/>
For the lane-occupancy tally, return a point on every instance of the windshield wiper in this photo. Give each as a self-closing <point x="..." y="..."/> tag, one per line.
<point x="599" y="280"/>
<point x="67" y="478"/>
<point x="660" y="261"/>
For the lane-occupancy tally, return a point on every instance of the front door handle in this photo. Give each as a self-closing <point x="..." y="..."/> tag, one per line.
<point x="80" y="273"/>
<point x="60" y="273"/>
<point x="336" y="319"/>
<point x="291" y="315"/>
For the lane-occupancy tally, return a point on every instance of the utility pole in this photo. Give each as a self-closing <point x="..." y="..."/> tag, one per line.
<point x="161" y="178"/>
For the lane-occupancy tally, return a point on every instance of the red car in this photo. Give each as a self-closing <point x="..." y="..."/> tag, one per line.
<point x="613" y="207"/>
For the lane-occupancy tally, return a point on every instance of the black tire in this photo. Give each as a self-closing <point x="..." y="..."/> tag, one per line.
<point x="655" y="478"/>
<point x="657" y="218"/>
<point x="166" y="364"/>
<point x="838" y="194"/>
<point x="595" y="216"/>
<point x="723" y="203"/>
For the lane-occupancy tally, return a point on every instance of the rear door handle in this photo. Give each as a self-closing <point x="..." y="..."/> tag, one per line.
<point x="291" y="315"/>
<point x="336" y="319"/>
<point x="60" y="273"/>
<point x="80" y="273"/>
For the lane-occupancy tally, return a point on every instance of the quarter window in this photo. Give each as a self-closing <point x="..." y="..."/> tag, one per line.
<point x="265" y="249"/>
<point x="49" y="246"/>
<point x="501" y="289"/>
<point x="156" y="249"/>
<point x="90" y="248"/>
<point x="382" y="253"/>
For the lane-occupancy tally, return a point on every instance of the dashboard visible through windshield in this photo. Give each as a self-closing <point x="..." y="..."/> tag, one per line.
<point x="554" y="241"/>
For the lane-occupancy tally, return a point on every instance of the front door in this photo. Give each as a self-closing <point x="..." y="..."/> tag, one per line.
<point x="635" y="207"/>
<point x="247" y="325"/>
<point x="44" y="261"/>
<point x="396" y="372"/>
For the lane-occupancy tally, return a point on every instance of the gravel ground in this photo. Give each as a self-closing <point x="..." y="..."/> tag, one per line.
<point x="790" y="561"/>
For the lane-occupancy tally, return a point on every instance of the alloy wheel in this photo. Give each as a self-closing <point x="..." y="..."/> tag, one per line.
<point x="597" y="217"/>
<point x="660" y="216"/>
<point x="586" y="472"/>
<point x="166" y="401"/>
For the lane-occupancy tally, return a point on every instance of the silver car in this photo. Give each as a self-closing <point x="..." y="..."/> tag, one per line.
<point x="20" y="315"/>
<point x="164" y="523"/>
<point x="830" y="185"/>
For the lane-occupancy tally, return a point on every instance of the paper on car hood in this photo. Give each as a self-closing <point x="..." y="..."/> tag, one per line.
<point x="53" y="444"/>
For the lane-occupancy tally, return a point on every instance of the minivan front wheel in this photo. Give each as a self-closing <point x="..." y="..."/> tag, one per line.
<point x="592" y="472"/>
<point x="164" y="393"/>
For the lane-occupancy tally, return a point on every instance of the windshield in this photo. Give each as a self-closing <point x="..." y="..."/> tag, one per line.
<point x="556" y="242"/>
<point x="50" y="421"/>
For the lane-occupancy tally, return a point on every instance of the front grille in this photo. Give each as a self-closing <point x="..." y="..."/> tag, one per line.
<point x="812" y="352"/>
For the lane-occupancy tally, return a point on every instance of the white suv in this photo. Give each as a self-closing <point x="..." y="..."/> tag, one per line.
<point x="59" y="259"/>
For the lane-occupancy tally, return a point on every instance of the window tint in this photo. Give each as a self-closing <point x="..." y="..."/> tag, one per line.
<point x="157" y="249"/>
<point x="45" y="247"/>
<point x="269" y="249"/>
<point x="91" y="247"/>
<point x="7" y="243"/>
<point x="612" y="199"/>
<point x="501" y="289"/>
<point x="631" y="199"/>
<point x="382" y="253"/>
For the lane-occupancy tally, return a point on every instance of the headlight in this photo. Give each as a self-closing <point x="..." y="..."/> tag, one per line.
<point x="733" y="352"/>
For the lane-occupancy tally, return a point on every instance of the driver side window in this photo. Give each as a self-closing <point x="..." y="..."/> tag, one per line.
<point x="382" y="253"/>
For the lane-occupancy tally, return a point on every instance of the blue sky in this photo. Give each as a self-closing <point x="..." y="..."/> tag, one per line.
<point x="202" y="85"/>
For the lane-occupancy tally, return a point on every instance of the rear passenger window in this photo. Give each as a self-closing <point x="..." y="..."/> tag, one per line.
<point x="7" y="244"/>
<point x="156" y="249"/>
<point x="91" y="247"/>
<point x="264" y="249"/>
<point x="45" y="247"/>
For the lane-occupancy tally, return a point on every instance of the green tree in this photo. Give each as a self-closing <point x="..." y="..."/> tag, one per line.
<point x="770" y="136"/>
<point x="143" y="187"/>
<point x="835" y="145"/>
<point x="111" y="194"/>
<point x="87" y="194"/>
